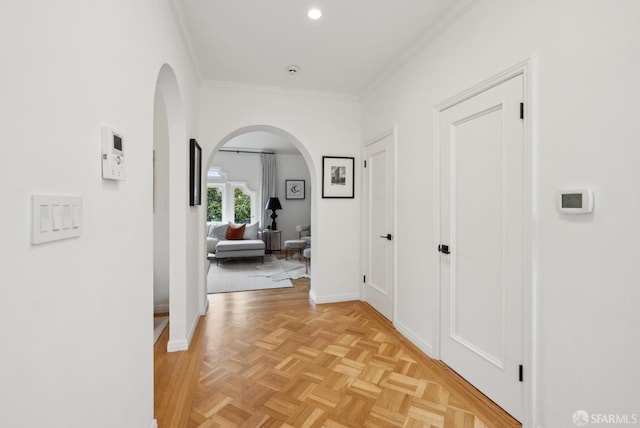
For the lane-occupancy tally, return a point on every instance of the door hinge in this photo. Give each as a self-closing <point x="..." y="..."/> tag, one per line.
<point x="364" y="278"/>
<point x="365" y="164"/>
<point x="521" y="110"/>
<point x="520" y="375"/>
<point x="444" y="249"/>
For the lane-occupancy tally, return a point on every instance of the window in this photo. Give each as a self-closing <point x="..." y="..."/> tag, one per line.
<point x="214" y="203"/>
<point x="241" y="206"/>
<point x="229" y="201"/>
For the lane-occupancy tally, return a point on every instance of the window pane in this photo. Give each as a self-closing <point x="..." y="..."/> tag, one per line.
<point x="242" y="206"/>
<point x="214" y="204"/>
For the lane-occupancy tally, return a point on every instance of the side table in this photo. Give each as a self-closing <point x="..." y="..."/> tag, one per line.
<point x="272" y="240"/>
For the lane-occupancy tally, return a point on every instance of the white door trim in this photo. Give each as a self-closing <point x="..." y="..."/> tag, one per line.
<point x="393" y="131"/>
<point x="529" y="334"/>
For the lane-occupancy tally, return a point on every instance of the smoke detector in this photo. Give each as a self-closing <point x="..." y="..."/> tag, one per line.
<point x="293" y="70"/>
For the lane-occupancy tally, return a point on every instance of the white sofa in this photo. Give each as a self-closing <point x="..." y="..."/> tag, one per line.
<point x="219" y="247"/>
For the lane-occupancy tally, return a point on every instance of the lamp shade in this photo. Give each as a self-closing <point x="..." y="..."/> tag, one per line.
<point x="273" y="204"/>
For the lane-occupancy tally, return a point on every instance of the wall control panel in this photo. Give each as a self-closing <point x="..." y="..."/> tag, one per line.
<point x="575" y="201"/>
<point x="55" y="217"/>
<point x="113" y="164"/>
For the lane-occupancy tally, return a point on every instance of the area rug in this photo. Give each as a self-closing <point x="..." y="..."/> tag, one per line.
<point x="251" y="274"/>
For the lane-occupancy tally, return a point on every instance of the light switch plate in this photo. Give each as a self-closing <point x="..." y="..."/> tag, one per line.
<point x="55" y="217"/>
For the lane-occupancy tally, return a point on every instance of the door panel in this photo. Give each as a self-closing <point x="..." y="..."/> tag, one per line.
<point x="481" y="145"/>
<point x="379" y="214"/>
<point x="478" y="281"/>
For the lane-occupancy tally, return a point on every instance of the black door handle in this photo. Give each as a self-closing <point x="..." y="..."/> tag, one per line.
<point x="388" y="237"/>
<point x="444" y="249"/>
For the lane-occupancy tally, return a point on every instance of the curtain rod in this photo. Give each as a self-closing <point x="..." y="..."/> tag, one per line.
<point x="246" y="151"/>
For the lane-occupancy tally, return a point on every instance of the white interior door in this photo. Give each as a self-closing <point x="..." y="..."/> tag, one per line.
<point x="482" y="223"/>
<point x="379" y="173"/>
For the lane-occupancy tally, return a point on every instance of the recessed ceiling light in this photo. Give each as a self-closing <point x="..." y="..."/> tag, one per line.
<point x="314" y="14"/>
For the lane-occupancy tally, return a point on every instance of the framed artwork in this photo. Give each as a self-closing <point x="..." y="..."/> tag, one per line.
<point x="195" y="173"/>
<point x="337" y="177"/>
<point x="294" y="189"/>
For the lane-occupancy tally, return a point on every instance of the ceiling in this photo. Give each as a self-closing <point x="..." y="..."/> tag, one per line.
<point x="346" y="51"/>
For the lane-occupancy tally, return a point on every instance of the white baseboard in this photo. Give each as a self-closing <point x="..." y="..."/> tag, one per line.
<point x="336" y="298"/>
<point x="154" y="424"/>
<point x="183" y="345"/>
<point x="205" y="308"/>
<point x="194" y="325"/>
<point x="425" y="347"/>
<point x="177" y="345"/>
<point x="161" y="309"/>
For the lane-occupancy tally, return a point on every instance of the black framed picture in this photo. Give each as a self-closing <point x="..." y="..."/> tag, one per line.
<point x="294" y="189"/>
<point x="195" y="173"/>
<point x="338" y="177"/>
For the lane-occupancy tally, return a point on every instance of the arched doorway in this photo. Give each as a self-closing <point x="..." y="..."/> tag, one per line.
<point x="170" y="263"/>
<point x="300" y="151"/>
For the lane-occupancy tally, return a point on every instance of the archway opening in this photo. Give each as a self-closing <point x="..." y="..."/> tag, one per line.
<point x="170" y="216"/>
<point x="235" y="162"/>
<point x="161" y="281"/>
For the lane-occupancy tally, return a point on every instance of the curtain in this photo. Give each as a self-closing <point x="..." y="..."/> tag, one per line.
<point x="269" y="185"/>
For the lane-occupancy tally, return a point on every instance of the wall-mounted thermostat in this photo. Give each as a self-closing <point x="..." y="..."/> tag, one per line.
<point x="575" y="201"/>
<point x="113" y="166"/>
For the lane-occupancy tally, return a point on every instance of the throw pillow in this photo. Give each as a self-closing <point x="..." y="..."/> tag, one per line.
<point x="235" y="231"/>
<point x="220" y="231"/>
<point x="251" y="231"/>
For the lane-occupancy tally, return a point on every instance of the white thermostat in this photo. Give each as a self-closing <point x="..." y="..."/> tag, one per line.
<point x="575" y="201"/>
<point x="113" y="166"/>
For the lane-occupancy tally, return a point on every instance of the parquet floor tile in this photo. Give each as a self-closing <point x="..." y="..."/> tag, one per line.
<point x="272" y="359"/>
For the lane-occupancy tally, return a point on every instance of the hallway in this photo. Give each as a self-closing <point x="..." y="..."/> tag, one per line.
<point x="270" y="358"/>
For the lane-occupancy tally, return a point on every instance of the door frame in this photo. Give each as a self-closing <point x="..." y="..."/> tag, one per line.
<point x="529" y="274"/>
<point x="391" y="132"/>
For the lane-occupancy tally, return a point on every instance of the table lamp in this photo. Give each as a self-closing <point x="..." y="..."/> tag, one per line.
<point x="273" y="205"/>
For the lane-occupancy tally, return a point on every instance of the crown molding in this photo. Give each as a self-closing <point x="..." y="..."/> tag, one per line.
<point x="178" y="16"/>
<point x="215" y="84"/>
<point x="456" y="12"/>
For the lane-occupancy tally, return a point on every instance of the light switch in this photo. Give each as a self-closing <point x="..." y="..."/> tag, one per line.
<point x="55" y="217"/>
<point x="56" y="212"/>
<point x="45" y="218"/>
<point x="67" y="217"/>
<point x="76" y="216"/>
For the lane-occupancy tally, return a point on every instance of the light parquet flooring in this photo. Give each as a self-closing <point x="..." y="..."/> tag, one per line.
<point x="271" y="358"/>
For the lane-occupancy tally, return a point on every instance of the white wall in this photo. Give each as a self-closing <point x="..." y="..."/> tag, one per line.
<point x="160" y="206"/>
<point x="587" y="55"/>
<point x="294" y="211"/>
<point x="240" y="167"/>
<point x="324" y="125"/>
<point x="77" y="314"/>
